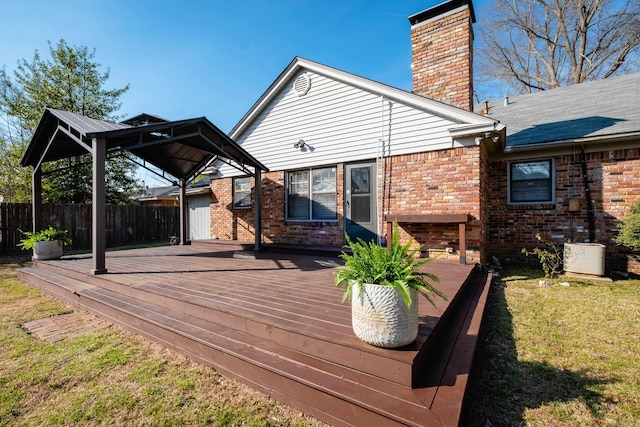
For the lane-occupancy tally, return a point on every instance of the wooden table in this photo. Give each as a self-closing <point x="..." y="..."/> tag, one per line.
<point x="460" y="219"/>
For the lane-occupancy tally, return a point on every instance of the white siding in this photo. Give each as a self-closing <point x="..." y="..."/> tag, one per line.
<point x="340" y="123"/>
<point x="199" y="217"/>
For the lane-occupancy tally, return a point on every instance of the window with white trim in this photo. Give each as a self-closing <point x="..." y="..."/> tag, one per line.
<point x="532" y="182"/>
<point x="311" y="194"/>
<point x="242" y="193"/>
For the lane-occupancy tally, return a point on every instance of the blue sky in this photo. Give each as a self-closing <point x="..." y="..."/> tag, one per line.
<point x="215" y="58"/>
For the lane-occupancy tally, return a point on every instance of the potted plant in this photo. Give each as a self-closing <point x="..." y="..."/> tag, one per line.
<point x="46" y="244"/>
<point x="384" y="285"/>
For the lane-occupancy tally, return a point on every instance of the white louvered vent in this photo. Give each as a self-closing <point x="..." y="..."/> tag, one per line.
<point x="302" y="84"/>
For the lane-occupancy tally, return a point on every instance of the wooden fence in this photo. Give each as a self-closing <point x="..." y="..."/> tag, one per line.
<point x="125" y="224"/>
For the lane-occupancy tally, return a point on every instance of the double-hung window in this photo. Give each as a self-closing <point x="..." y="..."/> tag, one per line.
<point x="531" y="182"/>
<point x="311" y="194"/>
<point x="242" y="193"/>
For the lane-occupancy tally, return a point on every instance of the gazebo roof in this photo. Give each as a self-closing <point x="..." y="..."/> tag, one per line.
<point x="181" y="148"/>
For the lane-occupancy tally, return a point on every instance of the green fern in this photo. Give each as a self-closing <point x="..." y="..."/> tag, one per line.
<point x="398" y="267"/>
<point x="47" y="234"/>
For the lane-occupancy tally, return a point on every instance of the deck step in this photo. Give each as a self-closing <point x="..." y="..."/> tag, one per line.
<point x="278" y="314"/>
<point x="276" y="324"/>
<point x="247" y="357"/>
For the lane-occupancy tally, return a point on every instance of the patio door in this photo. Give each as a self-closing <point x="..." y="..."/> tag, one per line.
<point x="360" y="201"/>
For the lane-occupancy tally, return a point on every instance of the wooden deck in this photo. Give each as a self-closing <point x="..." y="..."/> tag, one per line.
<point x="274" y="321"/>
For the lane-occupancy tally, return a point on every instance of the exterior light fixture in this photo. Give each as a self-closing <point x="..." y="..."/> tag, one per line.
<point x="300" y="144"/>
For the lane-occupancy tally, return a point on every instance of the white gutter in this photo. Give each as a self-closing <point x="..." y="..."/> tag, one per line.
<point x="570" y="142"/>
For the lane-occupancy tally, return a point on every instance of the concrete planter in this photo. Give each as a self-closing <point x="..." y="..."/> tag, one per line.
<point x="584" y="258"/>
<point x="380" y="316"/>
<point x="48" y="249"/>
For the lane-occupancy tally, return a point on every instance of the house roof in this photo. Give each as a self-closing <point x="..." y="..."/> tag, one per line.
<point x="172" y="192"/>
<point x="180" y="148"/>
<point x="475" y="122"/>
<point x="597" y="110"/>
<point x="156" y="193"/>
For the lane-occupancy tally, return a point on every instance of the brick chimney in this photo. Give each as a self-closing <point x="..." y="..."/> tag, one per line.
<point x="442" y="53"/>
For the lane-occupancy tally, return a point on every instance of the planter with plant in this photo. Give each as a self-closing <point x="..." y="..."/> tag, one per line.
<point x="46" y="244"/>
<point x="383" y="285"/>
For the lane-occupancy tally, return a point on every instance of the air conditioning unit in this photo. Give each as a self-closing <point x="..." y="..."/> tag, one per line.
<point x="584" y="258"/>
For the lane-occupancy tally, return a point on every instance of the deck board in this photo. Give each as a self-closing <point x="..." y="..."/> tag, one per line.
<point x="274" y="321"/>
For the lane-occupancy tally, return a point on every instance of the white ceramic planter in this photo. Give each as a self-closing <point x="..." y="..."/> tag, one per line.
<point x="48" y="249"/>
<point x="380" y="316"/>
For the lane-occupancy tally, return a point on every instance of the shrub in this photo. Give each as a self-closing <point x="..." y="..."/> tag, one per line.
<point x="629" y="229"/>
<point x="550" y="256"/>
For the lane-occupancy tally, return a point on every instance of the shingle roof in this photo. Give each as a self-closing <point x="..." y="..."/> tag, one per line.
<point x="599" y="108"/>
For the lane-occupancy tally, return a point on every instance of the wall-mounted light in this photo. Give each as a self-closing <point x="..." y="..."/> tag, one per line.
<point x="492" y="137"/>
<point x="300" y="144"/>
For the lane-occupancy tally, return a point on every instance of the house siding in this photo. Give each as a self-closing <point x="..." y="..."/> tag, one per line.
<point x="339" y="123"/>
<point x="613" y="184"/>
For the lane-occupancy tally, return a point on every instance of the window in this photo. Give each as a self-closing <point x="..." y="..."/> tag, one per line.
<point x="311" y="194"/>
<point x="242" y="193"/>
<point x="531" y="182"/>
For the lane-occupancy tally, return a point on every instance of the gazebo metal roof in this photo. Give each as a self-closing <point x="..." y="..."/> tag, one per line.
<point x="180" y="148"/>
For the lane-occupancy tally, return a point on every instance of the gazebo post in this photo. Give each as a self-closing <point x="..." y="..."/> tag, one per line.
<point x="36" y="197"/>
<point x="257" y="212"/>
<point x="98" y="208"/>
<point x="183" y="211"/>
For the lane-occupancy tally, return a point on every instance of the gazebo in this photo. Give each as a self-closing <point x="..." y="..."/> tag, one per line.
<point x="182" y="149"/>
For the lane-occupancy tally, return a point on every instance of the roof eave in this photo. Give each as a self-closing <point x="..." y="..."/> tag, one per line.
<point x="435" y="107"/>
<point x="621" y="140"/>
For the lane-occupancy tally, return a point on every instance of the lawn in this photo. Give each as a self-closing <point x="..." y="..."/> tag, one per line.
<point x="112" y="377"/>
<point x="557" y="355"/>
<point x="548" y="356"/>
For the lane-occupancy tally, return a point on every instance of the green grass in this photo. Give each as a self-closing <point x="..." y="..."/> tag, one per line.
<point x="111" y="377"/>
<point x="557" y="356"/>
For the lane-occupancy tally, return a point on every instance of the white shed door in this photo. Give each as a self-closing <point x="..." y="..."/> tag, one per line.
<point x="199" y="217"/>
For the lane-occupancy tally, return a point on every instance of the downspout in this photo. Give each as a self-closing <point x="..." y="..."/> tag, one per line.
<point x="587" y="191"/>
<point x="380" y="152"/>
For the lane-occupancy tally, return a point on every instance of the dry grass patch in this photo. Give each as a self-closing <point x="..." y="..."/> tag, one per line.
<point x="112" y="377"/>
<point x="561" y="356"/>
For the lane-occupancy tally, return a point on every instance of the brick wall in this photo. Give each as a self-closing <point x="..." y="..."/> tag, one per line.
<point x="440" y="182"/>
<point x="442" y="59"/>
<point x="238" y="224"/>
<point x="437" y="182"/>
<point x="613" y="183"/>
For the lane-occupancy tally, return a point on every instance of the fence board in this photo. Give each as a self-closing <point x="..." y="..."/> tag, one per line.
<point x="125" y="224"/>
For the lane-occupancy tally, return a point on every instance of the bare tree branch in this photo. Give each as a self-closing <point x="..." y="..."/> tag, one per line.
<point x="534" y="45"/>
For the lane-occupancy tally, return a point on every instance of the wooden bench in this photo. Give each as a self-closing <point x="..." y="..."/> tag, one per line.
<point x="460" y="219"/>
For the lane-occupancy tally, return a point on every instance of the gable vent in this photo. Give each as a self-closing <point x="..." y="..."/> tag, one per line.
<point x="302" y="84"/>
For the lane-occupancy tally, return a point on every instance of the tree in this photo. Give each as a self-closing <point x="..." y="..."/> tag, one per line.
<point x="533" y="45"/>
<point x="71" y="80"/>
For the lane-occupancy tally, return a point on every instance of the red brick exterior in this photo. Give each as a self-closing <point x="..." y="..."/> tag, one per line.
<point x="442" y="51"/>
<point x="238" y="224"/>
<point x="613" y="183"/>
<point x="438" y="182"/>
